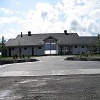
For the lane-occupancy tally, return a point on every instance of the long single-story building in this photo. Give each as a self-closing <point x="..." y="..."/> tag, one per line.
<point x="50" y="43"/>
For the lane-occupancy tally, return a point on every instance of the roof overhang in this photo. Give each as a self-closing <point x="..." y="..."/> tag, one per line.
<point x="50" y="37"/>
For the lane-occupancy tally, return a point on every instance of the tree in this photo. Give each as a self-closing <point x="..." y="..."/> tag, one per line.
<point x="3" y="48"/>
<point x="19" y="47"/>
<point x="0" y="47"/>
<point x="90" y="46"/>
<point x="98" y="43"/>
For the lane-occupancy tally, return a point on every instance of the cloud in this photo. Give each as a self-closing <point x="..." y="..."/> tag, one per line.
<point x="95" y="14"/>
<point x="17" y="12"/>
<point x="17" y="2"/>
<point x="8" y="20"/>
<point x="42" y="19"/>
<point x="45" y="8"/>
<point x="47" y="18"/>
<point x="81" y="16"/>
<point x="74" y="25"/>
<point x="10" y="33"/>
<point x="7" y="11"/>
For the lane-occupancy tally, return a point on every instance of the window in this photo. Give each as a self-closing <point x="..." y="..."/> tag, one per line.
<point x="75" y="46"/>
<point x="12" y="48"/>
<point x="39" y="47"/>
<point x="25" y="48"/>
<point x="50" y="46"/>
<point x="82" y="46"/>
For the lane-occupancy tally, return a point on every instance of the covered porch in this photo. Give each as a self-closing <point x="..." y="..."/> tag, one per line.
<point x="50" y="46"/>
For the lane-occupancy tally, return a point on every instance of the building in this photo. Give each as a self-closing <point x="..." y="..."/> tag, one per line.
<point x="51" y="43"/>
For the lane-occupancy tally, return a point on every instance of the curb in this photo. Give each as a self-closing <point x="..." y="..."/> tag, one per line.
<point x="82" y="59"/>
<point x="5" y="61"/>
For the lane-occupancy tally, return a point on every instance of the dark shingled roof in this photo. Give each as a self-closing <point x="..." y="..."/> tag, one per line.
<point x="37" y="39"/>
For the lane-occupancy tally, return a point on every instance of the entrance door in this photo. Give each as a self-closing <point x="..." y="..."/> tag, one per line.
<point x="9" y="51"/>
<point x="32" y="51"/>
<point x="50" y="46"/>
<point x="61" y="50"/>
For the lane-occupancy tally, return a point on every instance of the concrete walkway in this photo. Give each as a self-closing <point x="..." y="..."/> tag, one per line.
<point x="50" y="65"/>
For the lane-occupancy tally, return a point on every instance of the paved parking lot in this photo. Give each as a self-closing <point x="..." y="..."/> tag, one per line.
<point x="50" y="79"/>
<point x="72" y="87"/>
<point x="50" y="65"/>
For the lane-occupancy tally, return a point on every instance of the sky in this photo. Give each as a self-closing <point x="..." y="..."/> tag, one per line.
<point x="49" y="16"/>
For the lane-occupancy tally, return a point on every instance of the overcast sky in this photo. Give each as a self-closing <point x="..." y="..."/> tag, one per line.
<point x="43" y="16"/>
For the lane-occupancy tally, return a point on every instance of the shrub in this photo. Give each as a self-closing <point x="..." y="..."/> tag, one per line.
<point x="13" y="56"/>
<point x="23" y="56"/>
<point x="16" y="56"/>
<point x="28" y="56"/>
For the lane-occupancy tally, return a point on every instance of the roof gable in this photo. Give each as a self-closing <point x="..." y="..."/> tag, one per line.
<point x="50" y="37"/>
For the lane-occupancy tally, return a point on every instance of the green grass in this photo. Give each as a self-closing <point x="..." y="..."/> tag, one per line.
<point x="89" y="55"/>
<point x="11" y="58"/>
<point x="96" y="55"/>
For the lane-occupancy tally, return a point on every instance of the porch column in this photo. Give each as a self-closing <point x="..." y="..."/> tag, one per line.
<point x="57" y="49"/>
<point x="64" y="50"/>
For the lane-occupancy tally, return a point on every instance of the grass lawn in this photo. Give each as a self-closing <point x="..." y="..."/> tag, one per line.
<point x="11" y="58"/>
<point x="89" y="55"/>
<point x="96" y="55"/>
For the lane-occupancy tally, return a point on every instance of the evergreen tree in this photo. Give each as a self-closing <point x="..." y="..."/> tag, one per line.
<point x="3" y="48"/>
<point x="98" y="43"/>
